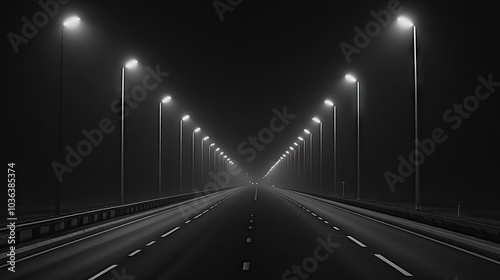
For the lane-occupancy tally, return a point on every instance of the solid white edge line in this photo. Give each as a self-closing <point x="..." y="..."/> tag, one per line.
<point x="134" y="253"/>
<point x="395" y="266"/>
<point x="356" y="241"/>
<point x="102" y="272"/>
<point x="170" y="232"/>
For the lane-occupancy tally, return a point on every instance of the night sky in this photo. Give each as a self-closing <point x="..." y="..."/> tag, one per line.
<point x="230" y="74"/>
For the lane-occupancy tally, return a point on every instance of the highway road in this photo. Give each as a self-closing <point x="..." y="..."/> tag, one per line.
<point x="251" y="233"/>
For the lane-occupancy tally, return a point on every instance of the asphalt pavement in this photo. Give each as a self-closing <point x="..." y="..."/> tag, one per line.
<point x="252" y="233"/>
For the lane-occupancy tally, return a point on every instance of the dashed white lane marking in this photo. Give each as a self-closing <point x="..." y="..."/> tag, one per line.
<point x="356" y="241"/>
<point x="395" y="266"/>
<point x="336" y="228"/>
<point x="314" y="214"/>
<point x="326" y="222"/>
<point x="250" y="227"/>
<point x="187" y="222"/>
<point x="134" y="253"/>
<point x="102" y="272"/>
<point x="255" y="197"/>
<point x="251" y="221"/>
<point x="204" y="212"/>
<point x="319" y="218"/>
<point x="170" y="232"/>
<point x="246" y="265"/>
<point x="249" y="240"/>
<point x="151" y="243"/>
<point x="308" y="210"/>
<point x="197" y="216"/>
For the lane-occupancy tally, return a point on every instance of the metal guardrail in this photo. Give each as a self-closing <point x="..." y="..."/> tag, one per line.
<point x="479" y="230"/>
<point x="36" y="229"/>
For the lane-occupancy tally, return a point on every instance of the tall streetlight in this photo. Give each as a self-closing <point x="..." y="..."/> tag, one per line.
<point x="287" y="166"/>
<point x="293" y="162"/>
<point x="352" y="79"/>
<point x="224" y="160"/>
<point x="315" y="119"/>
<point x="209" y="160"/>
<point x="279" y="173"/>
<point x="130" y="64"/>
<point x="407" y="23"/>
<point x="298" y="162"/>
<point x="219" y="161"/>
<point x="192" y="158"/>
<point x="331" y="104"/>
<point x="310" y="156"/>
<point x="304" y="163"/>
<point x="68" y="23"/>
<point x="202" y="161"/>
<point x="164" y="100"/>
<point x="186" y="117"/>
<point x="215" y="161"/>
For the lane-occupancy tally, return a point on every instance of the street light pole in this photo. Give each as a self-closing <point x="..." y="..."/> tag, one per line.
<point x="209" y="160"/>
<point x="202" y="161"/>
<point x="334" y="149"/>
<point x="358" y="145"/>
<point x="70" y="22"/>
<point x="293" y="166"/>
<point x="159" y="149"/>
<point x="334" y="119"/>
<point x="165" y="100"/>
<point x="417" y="156"/>
<point x="298" y="164"/>
<point x="219" y="163"/>
<point x="180" y="153"/>
<point x="130" y="64"/>
<point x="320" y="153"/>
<point x="304" y="163"/>
<point x="405" y="21"/>
<point x="122" y="145"/>
<point x="192" y="158"/>
<point x="351" y="78"/>
<point x="215" y="163"/>
<point x="310" y="157"/>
